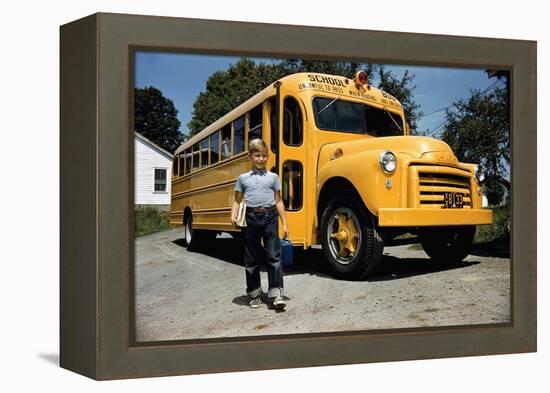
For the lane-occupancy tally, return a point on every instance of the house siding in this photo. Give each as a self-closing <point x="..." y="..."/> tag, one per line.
<point x="147" y="158"/>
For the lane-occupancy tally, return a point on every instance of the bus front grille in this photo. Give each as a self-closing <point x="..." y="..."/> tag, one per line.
<point x="434" y="182"/>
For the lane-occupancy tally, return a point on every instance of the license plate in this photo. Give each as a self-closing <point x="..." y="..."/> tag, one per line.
<point x="453" y="200"/>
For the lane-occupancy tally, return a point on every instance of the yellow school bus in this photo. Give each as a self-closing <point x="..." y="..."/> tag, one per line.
<point x="352" y="176"/>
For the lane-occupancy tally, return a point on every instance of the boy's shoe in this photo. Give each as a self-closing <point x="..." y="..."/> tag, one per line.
<point x="279" y="303"/>
<point x="255" y="302"/>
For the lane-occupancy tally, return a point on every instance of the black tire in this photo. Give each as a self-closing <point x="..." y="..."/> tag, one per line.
<point x="196" y="239"/>
<point x="363" y="256"/>
<point x="447" y="245"/>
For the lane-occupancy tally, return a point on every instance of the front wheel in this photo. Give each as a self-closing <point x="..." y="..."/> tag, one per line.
<point x="447" y="245"/>
<point x="351" y="241"/>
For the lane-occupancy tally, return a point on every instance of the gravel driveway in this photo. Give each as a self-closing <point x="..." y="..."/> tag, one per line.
<point x="184" y="295"/>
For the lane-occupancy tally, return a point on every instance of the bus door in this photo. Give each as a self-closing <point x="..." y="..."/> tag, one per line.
<point x="290" y="162"/>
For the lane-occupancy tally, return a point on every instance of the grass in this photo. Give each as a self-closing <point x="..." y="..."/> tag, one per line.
<point x="149" y="220"/>
<point x="499" y="227"/>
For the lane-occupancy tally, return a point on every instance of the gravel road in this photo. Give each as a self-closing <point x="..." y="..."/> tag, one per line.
<point x="182" y="295"/>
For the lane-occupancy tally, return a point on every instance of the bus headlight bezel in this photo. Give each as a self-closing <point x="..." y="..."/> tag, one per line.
<point x="388" y="162"/>
<point x="479" y="174"/>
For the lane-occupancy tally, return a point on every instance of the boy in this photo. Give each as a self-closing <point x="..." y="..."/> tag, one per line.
<point x="261" y="190"/>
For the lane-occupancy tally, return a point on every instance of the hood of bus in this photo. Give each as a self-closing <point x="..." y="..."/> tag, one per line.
<point x="415" y="147"/>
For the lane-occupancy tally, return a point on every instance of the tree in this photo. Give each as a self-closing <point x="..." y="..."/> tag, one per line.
<point x="402" y="89"/>
<point x="225" y="90"/>
<point x="478" y="131"/>
<point x="155" y="118"/>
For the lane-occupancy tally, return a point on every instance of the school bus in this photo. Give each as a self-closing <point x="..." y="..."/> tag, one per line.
<point x="352" y="176"/>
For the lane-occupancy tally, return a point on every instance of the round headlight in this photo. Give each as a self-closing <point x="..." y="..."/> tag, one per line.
<point x="479" y="174"/>
<point x="388" y="161"/>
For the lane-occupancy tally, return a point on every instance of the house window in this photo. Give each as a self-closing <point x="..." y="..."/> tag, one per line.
<point x="160" y="180"/>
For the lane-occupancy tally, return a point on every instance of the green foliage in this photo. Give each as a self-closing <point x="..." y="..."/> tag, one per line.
<point x="149" y="220"/>
<point x="402" y="89"/>
<point x="225" y="90"/>
<point x="478" y="131"/>
<point x="155" y="117"/>
<point x="498" y="229"/>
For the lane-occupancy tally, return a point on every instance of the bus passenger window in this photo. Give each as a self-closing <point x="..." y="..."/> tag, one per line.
<point x="255" y="123"/>
<point x="187" y="156"/>
<point x="215" y="147"/>
<point x="196" y="157"/>
<point x="238" y="132"/>
<point x="175" y="167"/>
<point x="226" y="142"/>
<point x="273" y="125"/>
<point x="292" y="123"/>
<point x="292" y="190"/>
<point x="204" y="153"/>
<point x="181" y="164"/>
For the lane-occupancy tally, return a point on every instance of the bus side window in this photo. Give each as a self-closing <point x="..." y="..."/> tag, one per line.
<point x="292" y="123"/>
<point x="215" y="147"/>
<point x="175" y="167"/>
<point x="196" y="157"/>
<point x="292" y="190"/>
<point x="181" y="165"/>
<point x="238" y="132"/>
<point x="226" y="142"/>
<point x="187" y="156"/>
<point x="273" y="125"/>
<point x="255" y="123"/>
<point x="204" y="153"/>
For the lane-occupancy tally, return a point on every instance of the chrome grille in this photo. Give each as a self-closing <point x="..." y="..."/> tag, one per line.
<point x="433" y="186"/>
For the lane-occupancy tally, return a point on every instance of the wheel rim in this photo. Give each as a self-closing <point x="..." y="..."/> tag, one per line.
<point x="188" y="231"/>
<point x="344" y="235"/>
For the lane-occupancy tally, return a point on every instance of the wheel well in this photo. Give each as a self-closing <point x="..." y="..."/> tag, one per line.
<point x="186" y="213"/>
<point x="336" y="186"/>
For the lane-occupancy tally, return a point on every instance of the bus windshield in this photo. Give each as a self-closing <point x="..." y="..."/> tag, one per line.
<point x="333" y="114"/>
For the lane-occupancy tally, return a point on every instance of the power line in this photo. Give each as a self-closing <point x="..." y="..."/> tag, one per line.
<point x="439" y="110"/>
<point x="436" y="129"/>
<point x="492" y="86"/>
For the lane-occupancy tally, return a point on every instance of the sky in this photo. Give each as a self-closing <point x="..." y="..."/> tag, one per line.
<point x="181" y="77"/>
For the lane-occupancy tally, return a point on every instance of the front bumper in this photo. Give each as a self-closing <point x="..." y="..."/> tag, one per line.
<point x="418" y="217"/>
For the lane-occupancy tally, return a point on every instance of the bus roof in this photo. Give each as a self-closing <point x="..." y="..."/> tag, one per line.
<point x="300" y="82"/>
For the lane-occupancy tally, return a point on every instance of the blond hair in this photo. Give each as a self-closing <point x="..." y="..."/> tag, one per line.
<point x="256" y="145"/>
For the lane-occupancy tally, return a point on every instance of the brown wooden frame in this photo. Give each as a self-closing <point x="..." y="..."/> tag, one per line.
<point x="97" y="172"/>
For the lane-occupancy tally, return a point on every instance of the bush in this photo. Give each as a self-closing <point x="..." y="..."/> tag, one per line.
<point x="499" y="228"/>
<point x="149" y="220"/>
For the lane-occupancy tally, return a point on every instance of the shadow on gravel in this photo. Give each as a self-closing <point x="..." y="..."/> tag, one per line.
<point x="231" y="250"/>
<point x="244" y="300"/>
<point x="393" y="268"/>
<point x="498" y="248"/>
<point x="312" y="262"/>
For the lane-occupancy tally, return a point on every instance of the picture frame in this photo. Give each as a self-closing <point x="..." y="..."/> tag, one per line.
<point x="96" y="147"/>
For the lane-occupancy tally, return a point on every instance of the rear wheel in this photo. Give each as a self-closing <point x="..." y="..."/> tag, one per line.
<point x="196" y="238"/>
<point x="351" y="241"/>
<point x="447" y="245"/>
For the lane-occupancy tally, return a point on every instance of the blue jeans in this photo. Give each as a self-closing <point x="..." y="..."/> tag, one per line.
<point x="262" y="226"/>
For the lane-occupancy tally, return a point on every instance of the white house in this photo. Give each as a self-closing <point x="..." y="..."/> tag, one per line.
<point x="152" y="174"/>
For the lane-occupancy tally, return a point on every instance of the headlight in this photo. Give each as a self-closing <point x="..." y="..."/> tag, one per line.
<point x="479" y="174"/>
<point x="388" y="162"/>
